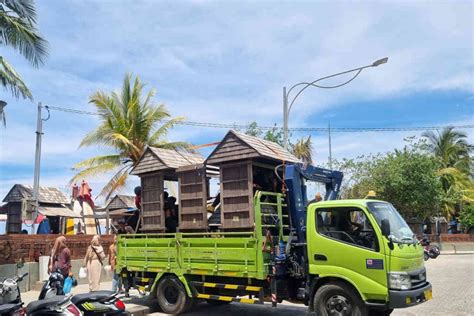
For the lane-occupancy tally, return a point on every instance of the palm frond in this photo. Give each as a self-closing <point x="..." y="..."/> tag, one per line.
<point x="93" y="171"/>
<point x="20" y="34"/>
<point x="115" y="183"/>
<point x="98" y="160"/>
<point x="184" y="146"/>
<point x="128" y="124"/>
<point x="12" y="80"/>
<point x="303" y="149"/>
<point x="23" y="8"/>
<point x="162" y="131"/>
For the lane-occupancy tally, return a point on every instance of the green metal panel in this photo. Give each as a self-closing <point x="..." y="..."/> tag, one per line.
<point x="236" y="254"/>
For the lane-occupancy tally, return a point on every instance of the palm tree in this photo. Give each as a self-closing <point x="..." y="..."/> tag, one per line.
<point x="454" y="154"/>
<point x="451" y="147"/>
<point x="18" y="30"/>
<point x="129" y="123"/>
<point x="303" y="150"/>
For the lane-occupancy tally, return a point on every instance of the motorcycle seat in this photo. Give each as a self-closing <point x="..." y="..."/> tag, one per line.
<point x="92" y="296"/>
<point x="8" y="308"/>
<point x="50" y="302"/>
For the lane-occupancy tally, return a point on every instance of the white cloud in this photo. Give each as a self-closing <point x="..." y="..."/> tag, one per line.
<point x="227" y="62"/>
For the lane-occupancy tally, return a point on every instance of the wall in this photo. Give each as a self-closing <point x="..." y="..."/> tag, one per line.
<point x="27" y="248"/>
<point x="32" y="282"/>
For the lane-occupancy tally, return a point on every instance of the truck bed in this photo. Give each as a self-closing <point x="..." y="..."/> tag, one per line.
<point x="218" y="254"/>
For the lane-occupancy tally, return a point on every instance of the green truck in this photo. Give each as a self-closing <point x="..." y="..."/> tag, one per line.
<point x="338" y="257"/>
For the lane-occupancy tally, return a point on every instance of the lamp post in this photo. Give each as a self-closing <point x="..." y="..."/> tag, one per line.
<point x="303" y="85"/>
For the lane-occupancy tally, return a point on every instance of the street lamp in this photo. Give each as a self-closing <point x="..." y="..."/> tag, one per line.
<point x="304" y="85"/>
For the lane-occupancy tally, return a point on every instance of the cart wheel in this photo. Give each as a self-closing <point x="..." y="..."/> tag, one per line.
<point x="172" y="296"/>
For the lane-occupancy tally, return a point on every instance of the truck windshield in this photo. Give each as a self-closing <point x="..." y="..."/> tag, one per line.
<point x="399" y="230"/>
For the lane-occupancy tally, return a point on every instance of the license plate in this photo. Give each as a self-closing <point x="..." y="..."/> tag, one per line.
<point x="428" y="295"/>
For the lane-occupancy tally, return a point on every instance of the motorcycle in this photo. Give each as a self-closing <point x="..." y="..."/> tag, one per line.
<point x="12" y="305"/>
<point x="429" y="251"/>
<point x="90" y="304"/>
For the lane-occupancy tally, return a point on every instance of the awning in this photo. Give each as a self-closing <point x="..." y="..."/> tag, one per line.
<point x="58" y="211"/>
<point x="122" y="212"/>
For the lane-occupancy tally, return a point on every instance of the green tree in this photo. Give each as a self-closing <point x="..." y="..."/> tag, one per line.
<point x="128" y="124"/>
<point x="303" y="149"/>
<point x="453" y="151"/>
<point x="18" y="30"/>
<point x="466" y="217"/>
<point x="274" y="134"/>
<point x="406" y="178"/>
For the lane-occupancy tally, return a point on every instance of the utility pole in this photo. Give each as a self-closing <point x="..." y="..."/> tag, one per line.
<point x="330" y="146"/>
<point x="285" y="118"/>
<point x="39" y="134"/>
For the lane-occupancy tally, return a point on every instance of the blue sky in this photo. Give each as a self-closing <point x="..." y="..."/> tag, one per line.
<point x="227" y="61"/>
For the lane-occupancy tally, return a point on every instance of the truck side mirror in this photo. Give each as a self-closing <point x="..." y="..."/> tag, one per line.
<point x="385" y="226"/>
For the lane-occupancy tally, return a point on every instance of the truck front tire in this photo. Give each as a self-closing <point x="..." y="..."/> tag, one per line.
<point x="172" y="296"/>
<point x="338" y="299"/>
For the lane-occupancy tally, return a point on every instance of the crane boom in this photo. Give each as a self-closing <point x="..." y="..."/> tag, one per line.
<point x="295" y="174"/>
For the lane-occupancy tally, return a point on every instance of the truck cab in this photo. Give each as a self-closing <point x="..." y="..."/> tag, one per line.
<point x="362" y="255"/>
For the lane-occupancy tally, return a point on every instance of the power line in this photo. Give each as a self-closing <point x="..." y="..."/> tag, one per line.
<point x="293" y="129"/>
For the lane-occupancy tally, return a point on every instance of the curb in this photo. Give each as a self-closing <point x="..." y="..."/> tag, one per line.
<point x="137" y="310"/>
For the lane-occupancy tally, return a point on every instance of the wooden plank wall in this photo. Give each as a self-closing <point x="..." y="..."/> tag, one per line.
<point x="152" y="203"/>
<point x="237" y="195"/>
<point x="13" y="218"/>
<point x="192" y="200"/>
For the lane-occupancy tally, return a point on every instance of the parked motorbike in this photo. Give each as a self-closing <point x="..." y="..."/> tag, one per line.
<point x="90" y="304"/>
<point x="10" y="297"/>
<point x="12" y="305"/>
<point x="429" y="251"/>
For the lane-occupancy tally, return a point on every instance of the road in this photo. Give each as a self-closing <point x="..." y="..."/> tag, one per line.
<point x="452" y="277"/>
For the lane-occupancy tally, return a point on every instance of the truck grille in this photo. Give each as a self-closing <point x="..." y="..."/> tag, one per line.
<point x="418" y="278"/>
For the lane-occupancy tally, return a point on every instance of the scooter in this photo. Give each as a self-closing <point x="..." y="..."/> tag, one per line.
<point x="90" y="304"/>
<point x="12" y="305"/>
<point x="429" y="251"/>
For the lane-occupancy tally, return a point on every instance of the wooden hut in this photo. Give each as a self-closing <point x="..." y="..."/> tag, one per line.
<point x="240" y="157"/>
<point x="193" y="195"/>
<point x="154" y="167"/>
<point x="52" y="203"/>
<point x="121" y="206"/>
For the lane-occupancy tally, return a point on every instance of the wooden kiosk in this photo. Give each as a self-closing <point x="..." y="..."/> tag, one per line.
<point x="244" y="160"/>
<point x="154" y="167"/>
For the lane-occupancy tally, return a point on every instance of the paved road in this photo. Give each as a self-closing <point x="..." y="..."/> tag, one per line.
<point x="452" y="277"/>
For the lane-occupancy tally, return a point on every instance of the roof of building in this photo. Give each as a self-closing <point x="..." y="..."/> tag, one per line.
<point x="45" y="195"/>
<point x="237" y="146"/>
<point x="58" y="211"/>
<point x="121" y="202"/>
<point x="154" y="159"/>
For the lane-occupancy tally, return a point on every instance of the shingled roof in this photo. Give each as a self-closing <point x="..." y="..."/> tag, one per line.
<point x="237" y="146"/>
<point x="121" y="202"/>
<point x="46" y="194"/>
<point x="155" y="159"/>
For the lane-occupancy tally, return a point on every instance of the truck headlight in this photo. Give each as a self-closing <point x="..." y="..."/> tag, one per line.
<point x="399" y="281"/>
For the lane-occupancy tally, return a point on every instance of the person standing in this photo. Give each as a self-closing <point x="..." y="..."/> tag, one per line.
<point x="116" y="281"/>
<point x="60" y="259"/>
<point x="94" y="260"/>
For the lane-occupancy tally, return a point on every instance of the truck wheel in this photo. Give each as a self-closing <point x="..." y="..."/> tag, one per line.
<point x="172" y="296"/>
<point x="338" y="299"/>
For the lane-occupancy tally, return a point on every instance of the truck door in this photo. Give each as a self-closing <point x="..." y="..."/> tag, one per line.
<point x="342" y="243"/>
